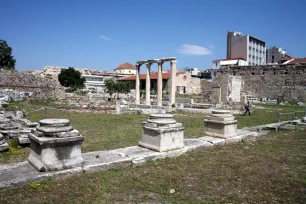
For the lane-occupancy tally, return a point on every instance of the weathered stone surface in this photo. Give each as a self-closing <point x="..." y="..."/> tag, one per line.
<point x="54" y="122"/>
<point x="213" y="140"/>
<point x="23" y="141"/>
<point x="4" y="120"/>
<point x="8" y="126"/>
<point x="102" y="160"/>
<point x="2" y="141"/>
<point x="221" y="123"/>
<point x="136" y="151"/>
<point x="162" y="133"/>
<point x="194" y="144"/>
<point x="4" y="147"/>
<point x="235" y="139"/>
<point x="46" y="130"/>
<point x="49" y="153"/>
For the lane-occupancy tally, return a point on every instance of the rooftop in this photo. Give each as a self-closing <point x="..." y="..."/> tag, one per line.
<point x="165" y="75"/>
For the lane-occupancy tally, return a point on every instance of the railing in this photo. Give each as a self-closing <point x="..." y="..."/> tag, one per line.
<point x="45" y="111"/>
<point x="294" y="115"/>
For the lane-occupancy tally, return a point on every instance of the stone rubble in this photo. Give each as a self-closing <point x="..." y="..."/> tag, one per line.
<point x="3" y="144"/>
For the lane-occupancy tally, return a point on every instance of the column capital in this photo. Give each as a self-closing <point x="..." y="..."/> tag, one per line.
<point x="160" y="62"/>
<point x="148" y="65"/>
<point x="137" y="66"/>
<point x="173" y="61"/>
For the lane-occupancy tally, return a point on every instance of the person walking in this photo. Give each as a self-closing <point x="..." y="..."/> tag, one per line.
<point x="247" y="109"/>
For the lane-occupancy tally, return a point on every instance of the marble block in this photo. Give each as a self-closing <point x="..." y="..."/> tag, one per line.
<point x="220" y="123"/>
<point x="3" y="144"/>
<point x="55" y="145"/>
<point x="162" y="133"/>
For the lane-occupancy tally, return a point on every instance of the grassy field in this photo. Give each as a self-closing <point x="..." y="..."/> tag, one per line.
<point x="269" y="170"/>
<point x="106" y="131"/>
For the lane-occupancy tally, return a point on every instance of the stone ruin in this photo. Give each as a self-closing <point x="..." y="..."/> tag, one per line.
<point x="55" y="145"/>
<point x="3" y="144"/>
<point x="12" y="125"/>
<point x="235" y="84"/>
<point x="221" y="123"/>
<point x="162" y="133"/>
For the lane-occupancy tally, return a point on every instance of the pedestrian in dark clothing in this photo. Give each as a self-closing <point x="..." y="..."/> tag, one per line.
<point x="247" y="108"/>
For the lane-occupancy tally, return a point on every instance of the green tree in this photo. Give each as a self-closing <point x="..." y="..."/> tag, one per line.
<point x="6" y="58"/>
<point x="118" y="87"/>
<point x="71" y="78"/>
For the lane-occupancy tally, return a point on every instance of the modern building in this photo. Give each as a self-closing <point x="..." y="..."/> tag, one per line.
<point x="274" y="54"/>
<point x="217" y="64"/>
<point x="195" y="72"/>
<point x="248" y="47"/>
<point x="126" y="69"/>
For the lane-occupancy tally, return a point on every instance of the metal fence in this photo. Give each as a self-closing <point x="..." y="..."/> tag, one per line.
<point x="291" y="115"/>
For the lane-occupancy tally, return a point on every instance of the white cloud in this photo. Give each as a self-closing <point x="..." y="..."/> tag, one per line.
<point x="187" y="49"/>
<point x="105" y="38"/>
<point x="212" y="46"/>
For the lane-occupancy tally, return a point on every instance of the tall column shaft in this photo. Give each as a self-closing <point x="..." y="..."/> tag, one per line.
<point x="173" y="82"/>
<point x="137" y="99"/>
<point x="160" y="84"/>
<point x="148" y="85"/>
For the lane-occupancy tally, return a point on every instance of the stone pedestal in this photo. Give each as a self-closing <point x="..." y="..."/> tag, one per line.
<point x="221" y="123"/>
<point x="55" y="145"/>
<point x="162" y="133"/>
<point x="3" y="144"/>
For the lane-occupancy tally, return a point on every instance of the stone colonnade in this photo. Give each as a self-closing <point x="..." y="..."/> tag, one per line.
<point x="148" y="64"/>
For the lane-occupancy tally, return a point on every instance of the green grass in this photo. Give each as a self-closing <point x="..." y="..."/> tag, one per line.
<point x="269" y="170"/>
<point x="106" y="131"/>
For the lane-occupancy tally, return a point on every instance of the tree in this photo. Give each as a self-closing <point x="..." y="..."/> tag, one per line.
<point x="6" y="58"/>
<point x="71" y="78"/>
<point x="118" y="87"/>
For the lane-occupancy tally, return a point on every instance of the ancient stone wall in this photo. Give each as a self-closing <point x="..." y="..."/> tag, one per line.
<point x="273" y="82"/>
<point x="41" y="88"/>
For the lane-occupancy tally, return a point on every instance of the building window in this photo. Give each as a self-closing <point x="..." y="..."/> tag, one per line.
<point x="256" y="50"/>
<point x="250" y="48"/>
<point x="216" y="64"/>
<point x="272" y="57"/>
<point x="253" y="57"/>
<point x="249" y="56"/>
<point x="253" y="49"/>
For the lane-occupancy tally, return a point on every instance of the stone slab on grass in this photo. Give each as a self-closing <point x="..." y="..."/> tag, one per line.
<point x="233" y="140"/>
<point x="213" y="140"/>
<point x="194" y="144"/>
<point x="100" y="160"/>
<point x="136" y="151"/>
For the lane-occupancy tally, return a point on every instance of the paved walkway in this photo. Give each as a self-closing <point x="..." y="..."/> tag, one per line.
<point x="23" y="172"/>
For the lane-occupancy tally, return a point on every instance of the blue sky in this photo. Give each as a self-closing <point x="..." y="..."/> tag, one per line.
<point x="101" y="34"/>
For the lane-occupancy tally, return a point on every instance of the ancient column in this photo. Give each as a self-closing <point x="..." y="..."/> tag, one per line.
<point x="172" y="82"/>
<point x="160" y="83"/>
<point x="148" y="85"/>
<point x="137" y="98"/>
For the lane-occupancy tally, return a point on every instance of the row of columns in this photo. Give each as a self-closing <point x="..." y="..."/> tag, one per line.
<point x="148" y="64"/>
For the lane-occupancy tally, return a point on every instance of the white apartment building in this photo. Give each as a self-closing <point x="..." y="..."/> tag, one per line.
<point x="216" y="64"/>
<point x="194" y="71"/>
<point x="247" y="47"/>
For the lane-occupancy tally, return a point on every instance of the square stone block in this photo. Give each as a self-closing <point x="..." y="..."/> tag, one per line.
<point x="4" y="147"/>
<point x="221" y="129"/>
<point x="49" y="153"/>
<point x="162" y="140"/>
